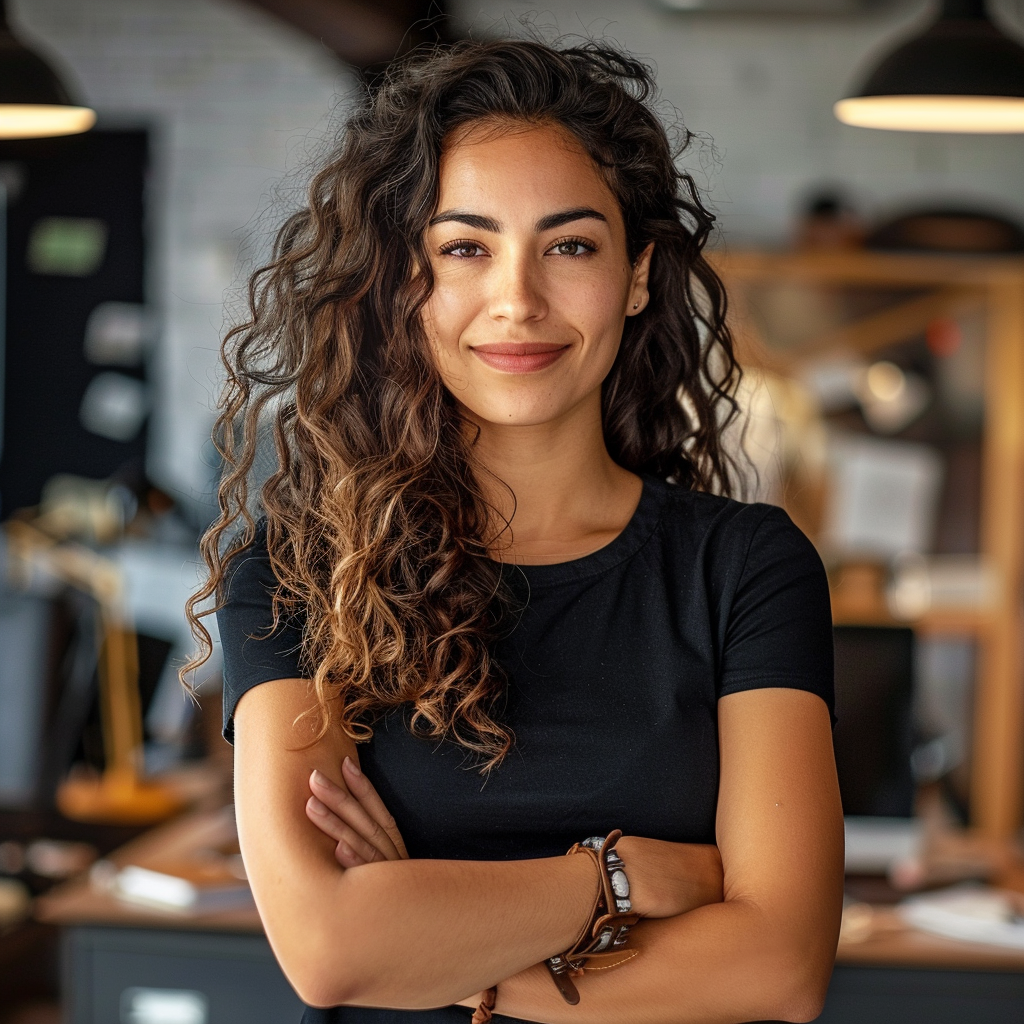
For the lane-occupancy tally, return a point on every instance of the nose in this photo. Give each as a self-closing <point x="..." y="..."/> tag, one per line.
<point x="517" y="294"/>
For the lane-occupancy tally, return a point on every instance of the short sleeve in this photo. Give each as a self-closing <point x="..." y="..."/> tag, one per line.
<point x="779" y="626"/>
<point x="254" y="651"/>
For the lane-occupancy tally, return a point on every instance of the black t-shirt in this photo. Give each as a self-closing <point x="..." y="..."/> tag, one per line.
<point x="615" y="668"/>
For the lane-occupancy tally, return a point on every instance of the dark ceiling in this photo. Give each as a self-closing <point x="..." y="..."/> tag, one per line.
<point x="365" y="34"/>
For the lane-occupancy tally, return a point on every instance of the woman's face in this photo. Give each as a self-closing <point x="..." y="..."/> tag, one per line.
<point x="532" y="281"/>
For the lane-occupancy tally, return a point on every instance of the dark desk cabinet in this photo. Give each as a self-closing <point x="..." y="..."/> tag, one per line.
<point x="153" y="976"/>
<point x="164" y="976"/>
<point x="903" y="995"/>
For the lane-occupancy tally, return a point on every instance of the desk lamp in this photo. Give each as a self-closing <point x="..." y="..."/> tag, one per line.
<point x="963" y="74"/>
<point x="120" y="796"/>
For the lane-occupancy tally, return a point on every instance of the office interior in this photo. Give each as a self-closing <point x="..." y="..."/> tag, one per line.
<point x="875" y="272"/>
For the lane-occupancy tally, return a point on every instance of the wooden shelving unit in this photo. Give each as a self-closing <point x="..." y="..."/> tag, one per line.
<point x="924" y="288"/>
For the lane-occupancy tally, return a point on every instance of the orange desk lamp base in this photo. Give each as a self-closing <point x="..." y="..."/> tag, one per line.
<point x="117" y="798"/>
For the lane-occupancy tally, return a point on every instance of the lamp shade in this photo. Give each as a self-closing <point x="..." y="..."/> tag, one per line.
<point x="33" y="100"/>
<point x="961" y="75"/>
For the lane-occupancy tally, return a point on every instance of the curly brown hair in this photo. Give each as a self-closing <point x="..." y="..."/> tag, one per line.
<point x="376" y="524"/>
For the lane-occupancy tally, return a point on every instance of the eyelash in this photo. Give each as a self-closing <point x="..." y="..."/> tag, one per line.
<point x="460" y="243"/>
<point x="449" y="248"/>
<point x="589" y="247"/>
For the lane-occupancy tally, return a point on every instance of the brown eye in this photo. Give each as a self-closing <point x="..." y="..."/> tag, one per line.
<point x="462" y="250"/>
<point x="571" y="248"/>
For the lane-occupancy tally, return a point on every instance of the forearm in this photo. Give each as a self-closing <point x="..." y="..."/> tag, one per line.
<point x="418" y="933"/>
<point x="722" y="963"/>
<point x="483" y="911"/>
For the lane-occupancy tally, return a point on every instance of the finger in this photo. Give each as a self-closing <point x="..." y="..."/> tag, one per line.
<point x="348" y="807"/>
<point x="346" y="856"/>
<point x="367" y="795"/>
<point x="342" y="834"/>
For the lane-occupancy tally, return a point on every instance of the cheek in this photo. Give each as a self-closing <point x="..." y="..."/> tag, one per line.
<point x="447" y="313"/>
<point x="443" y="323"/>
<point x="595" y="306"/>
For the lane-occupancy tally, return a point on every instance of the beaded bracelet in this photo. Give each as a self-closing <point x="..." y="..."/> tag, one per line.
<point x="605" y="934"/>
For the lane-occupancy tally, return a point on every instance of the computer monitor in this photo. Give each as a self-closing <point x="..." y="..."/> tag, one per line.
<point x="874" y="706"/>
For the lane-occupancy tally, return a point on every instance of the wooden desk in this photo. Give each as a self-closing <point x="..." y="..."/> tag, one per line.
<point x="219" y="966"/>
<point x="891" y="943"/>
<point x="899" y="975"/>
<point x="79" y="903"/>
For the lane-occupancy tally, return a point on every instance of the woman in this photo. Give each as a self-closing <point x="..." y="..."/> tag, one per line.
<point x="476" y="624"/>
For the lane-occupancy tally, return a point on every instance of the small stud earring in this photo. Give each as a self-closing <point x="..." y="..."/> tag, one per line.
<point x="636" y="305"/>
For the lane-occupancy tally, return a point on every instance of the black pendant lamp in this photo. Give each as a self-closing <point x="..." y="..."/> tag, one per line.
<point x="961" y="75"/>
<point x="33" y="101"/>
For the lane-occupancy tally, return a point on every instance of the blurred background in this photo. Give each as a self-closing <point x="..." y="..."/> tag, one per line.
<point x="864" y="158"/>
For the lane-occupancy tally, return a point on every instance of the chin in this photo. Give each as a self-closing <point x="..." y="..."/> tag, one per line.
<point x="517" y="414"/>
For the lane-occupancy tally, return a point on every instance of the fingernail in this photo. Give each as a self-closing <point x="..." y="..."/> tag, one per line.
<point x="319" y="779"/>
<point x="315" y="806"/>
<point x="352" y="766"/>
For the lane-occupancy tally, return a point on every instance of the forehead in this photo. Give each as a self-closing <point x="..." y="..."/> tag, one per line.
<point x="531" y="167"/>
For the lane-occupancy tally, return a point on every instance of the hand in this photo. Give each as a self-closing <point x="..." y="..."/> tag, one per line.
<point x="666" y="879"/>
<point x="354" y="817"/>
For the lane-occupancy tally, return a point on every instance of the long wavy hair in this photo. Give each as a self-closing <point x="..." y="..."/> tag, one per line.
<point x="376" y="525"/>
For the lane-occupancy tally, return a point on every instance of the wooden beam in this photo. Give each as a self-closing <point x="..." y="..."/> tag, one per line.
<point x="863" y="267"/>
<point x="864" y="336"/>
<point x="895" y="324"/>
<point x="997" y="776"/>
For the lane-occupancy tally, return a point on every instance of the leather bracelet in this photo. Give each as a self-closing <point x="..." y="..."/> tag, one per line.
<point x="604" y="937"/>
<point x="482" y="1014"/>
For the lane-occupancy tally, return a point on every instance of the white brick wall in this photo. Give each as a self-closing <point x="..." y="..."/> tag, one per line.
<point x="763" y="87"/>
<point x="239" y="100"/>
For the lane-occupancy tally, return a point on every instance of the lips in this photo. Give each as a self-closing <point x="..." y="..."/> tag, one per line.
<point x="518" y="357"/>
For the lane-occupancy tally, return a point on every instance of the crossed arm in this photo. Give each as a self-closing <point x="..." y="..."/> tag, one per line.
<point x="755" y="942"/>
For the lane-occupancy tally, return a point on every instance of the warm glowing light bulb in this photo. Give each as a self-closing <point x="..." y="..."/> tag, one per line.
<point x="885" y="381"/>
<point x="974" y="114"/>
<point x="43" y="120"/>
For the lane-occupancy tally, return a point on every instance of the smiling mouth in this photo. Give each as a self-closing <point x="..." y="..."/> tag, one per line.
<point x="513" y="357"/>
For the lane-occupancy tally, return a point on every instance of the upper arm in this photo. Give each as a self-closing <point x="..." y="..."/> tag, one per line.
<point x="290" y="862"/>
<point x="780" y="823"/>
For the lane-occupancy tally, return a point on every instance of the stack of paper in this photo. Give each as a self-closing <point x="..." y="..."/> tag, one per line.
<point x="199" y="885"/>
<point x="968" y="912"/>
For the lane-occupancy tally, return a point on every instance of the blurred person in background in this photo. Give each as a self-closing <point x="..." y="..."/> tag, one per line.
<point x="497" y="600"/>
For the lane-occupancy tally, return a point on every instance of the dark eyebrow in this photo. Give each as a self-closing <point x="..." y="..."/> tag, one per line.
<point x="471" y="220"/>
<point x="551" y="221"/>
<point x="556" y="220"/>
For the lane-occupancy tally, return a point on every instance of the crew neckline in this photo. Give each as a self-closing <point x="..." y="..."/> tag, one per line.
<point x="636" y="532"/>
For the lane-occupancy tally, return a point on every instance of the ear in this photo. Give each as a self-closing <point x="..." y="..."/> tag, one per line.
<point x="638" y="293"/>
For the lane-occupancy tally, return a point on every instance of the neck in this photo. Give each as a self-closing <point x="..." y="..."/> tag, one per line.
<point x="568" y="497"/>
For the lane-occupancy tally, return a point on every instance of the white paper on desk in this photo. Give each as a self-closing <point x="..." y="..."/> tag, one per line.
<point x="136" y="884"/>
<point x="971" y="913"/>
